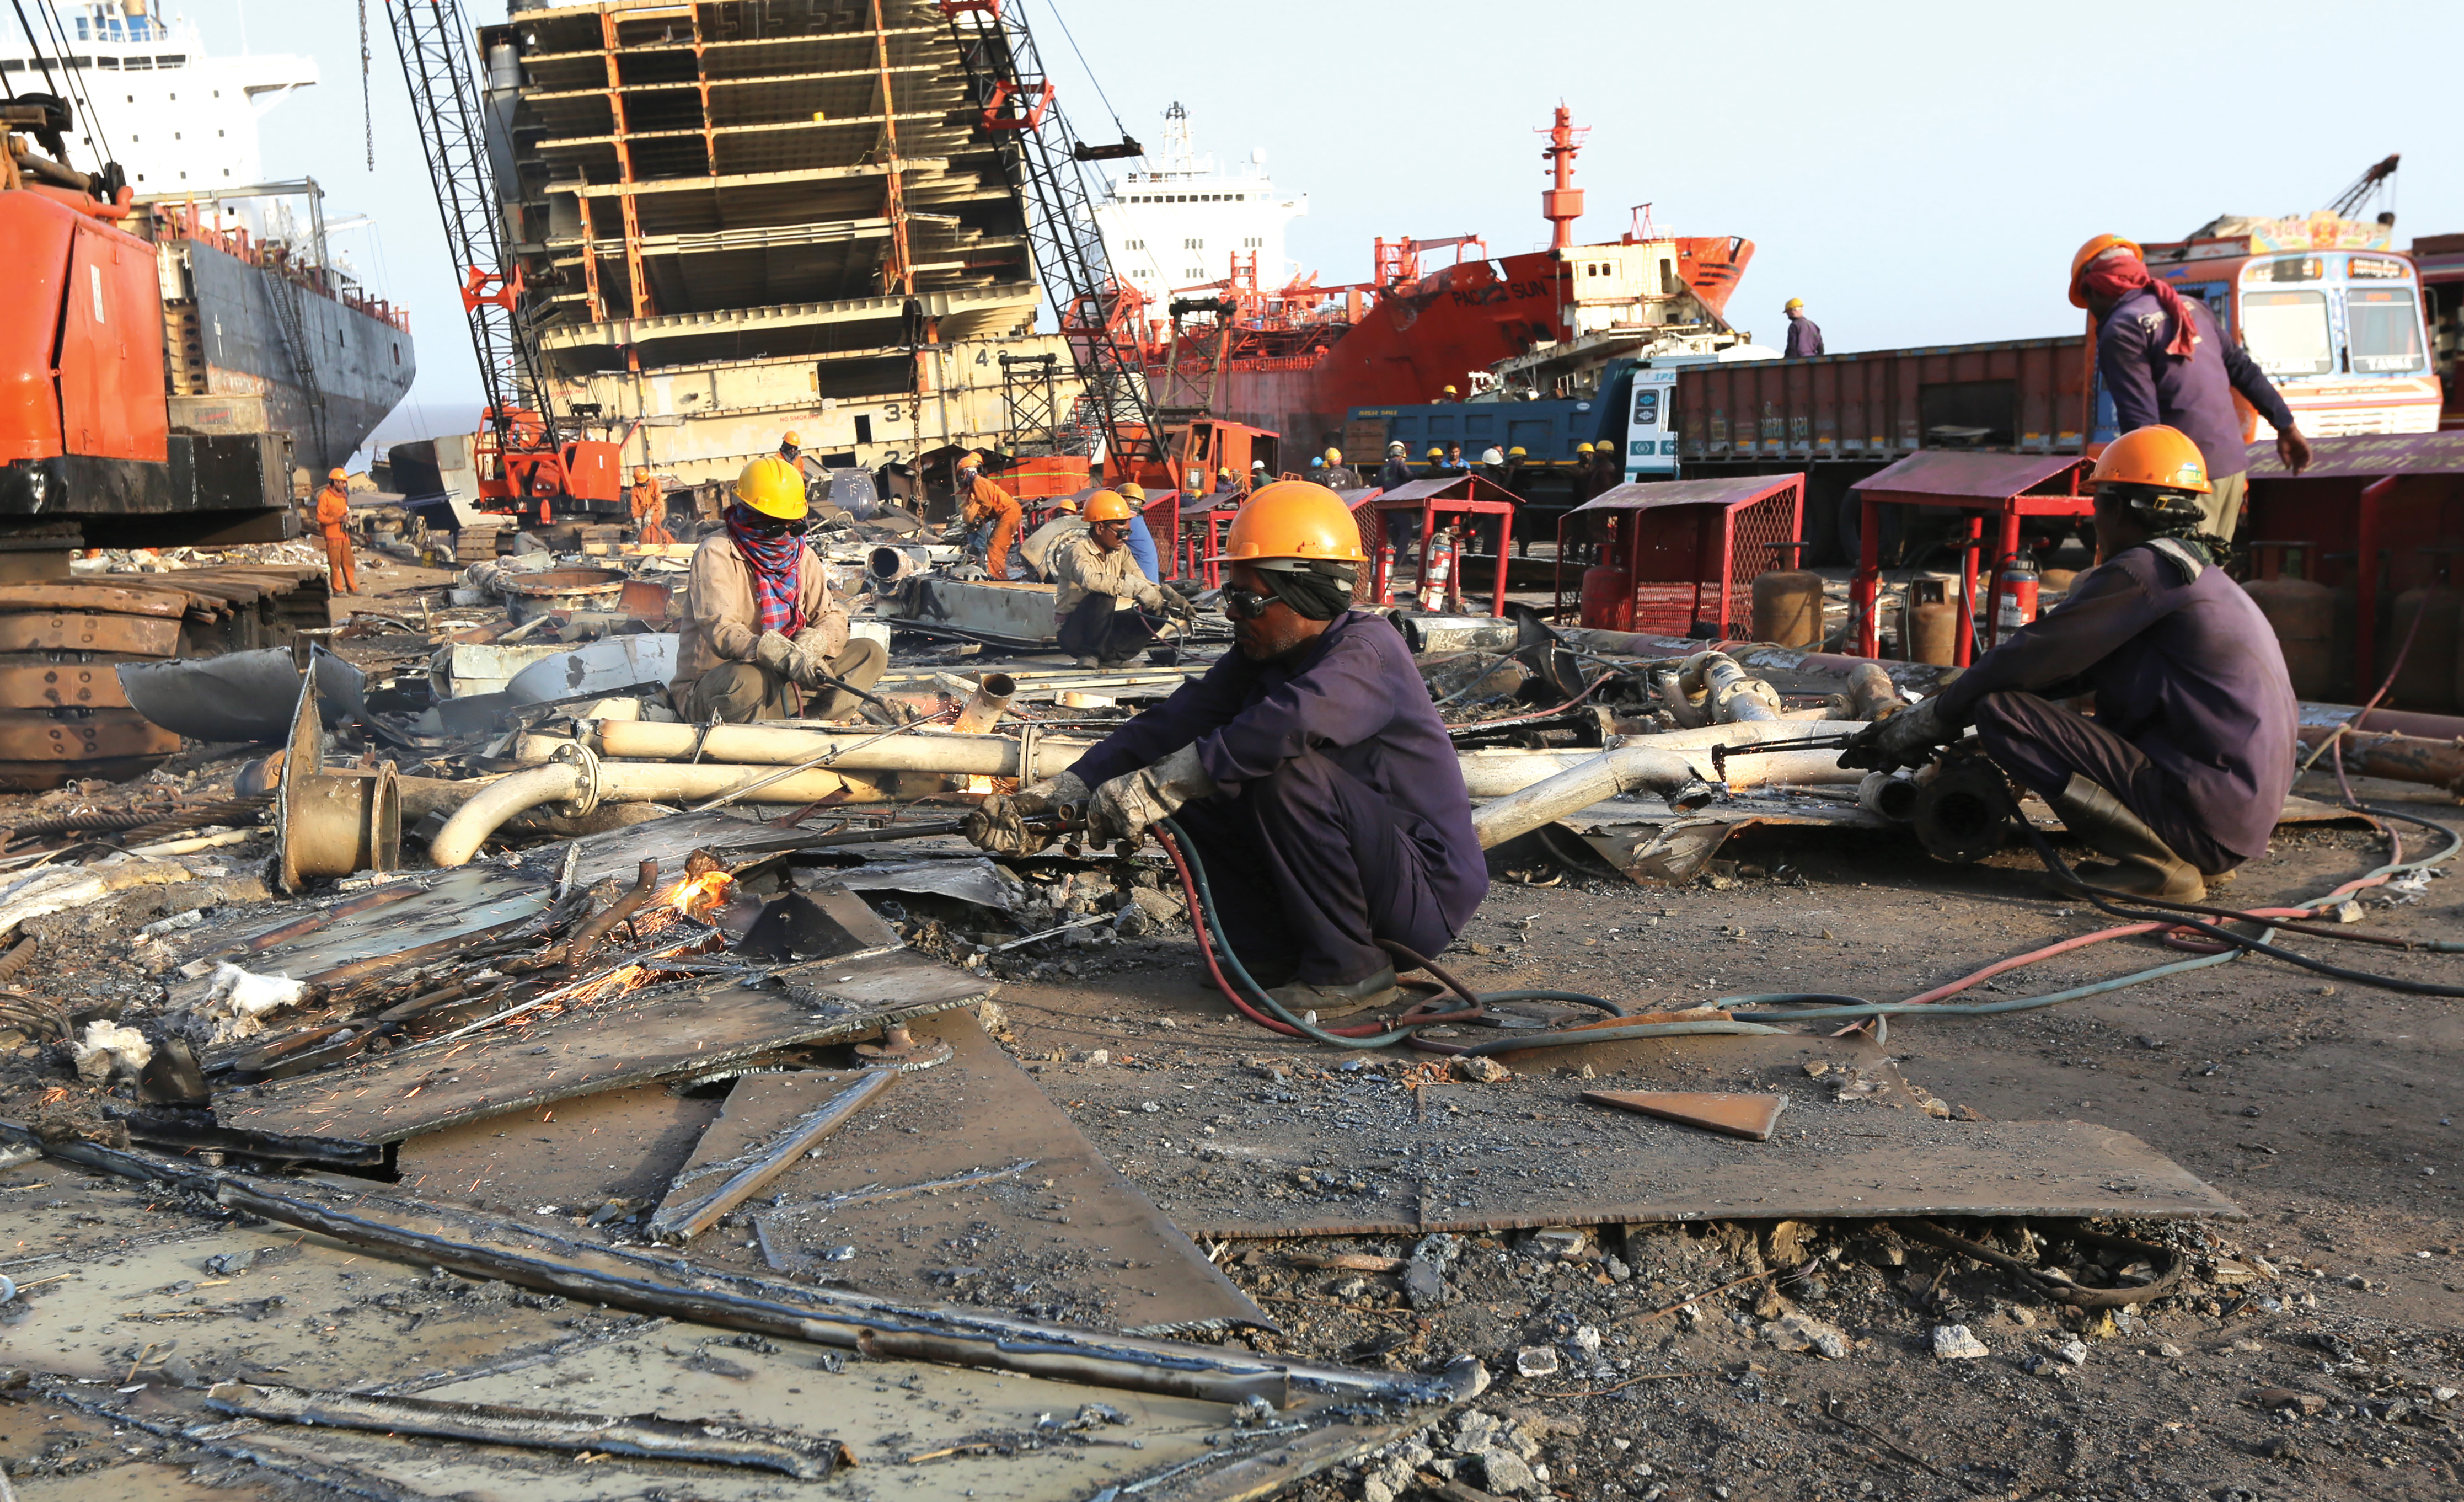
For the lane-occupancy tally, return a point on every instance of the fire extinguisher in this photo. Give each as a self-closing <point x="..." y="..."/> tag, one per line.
<point x="1442" y="567"/>
<point x="1386" y="573"/>
<point x="2018" y="607"/>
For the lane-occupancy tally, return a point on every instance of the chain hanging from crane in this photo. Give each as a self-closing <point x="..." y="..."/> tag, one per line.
<point x="1018" y="107"/>
<point x="436" y="43"/>
<point x="367" y="97"/>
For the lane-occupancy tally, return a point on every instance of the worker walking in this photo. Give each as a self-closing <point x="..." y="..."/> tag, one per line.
<point x="1804" y="335"/>
<point x="649" y="510"/>
<point x="762" y="638"/>
<point x="1308" y="768"/>
<point x="2182" y="772"/>
<point x="981" y="501"/>
<point x="2165" y="360"/>
<point x="1339" y="475"/>
<point x="333" y="521"/>
<point x="1099" y="580"/>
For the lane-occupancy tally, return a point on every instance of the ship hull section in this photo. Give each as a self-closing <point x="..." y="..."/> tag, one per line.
<point x="363" y="365"/>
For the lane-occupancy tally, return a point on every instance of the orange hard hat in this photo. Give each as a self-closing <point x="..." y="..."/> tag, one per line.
<point x="335" y="475"/>
<point x="971" y="461"/>
<point x="1065" y="503"/>
<point x="1132" y="492"/>
<point x="1297" y="519"/>
<point x="2154" y="455"/>
<point x="1106" y="506"/>
<point x="790" y="441"/>
<point x="2091" y="250"/>
<point x="640" y="472"/>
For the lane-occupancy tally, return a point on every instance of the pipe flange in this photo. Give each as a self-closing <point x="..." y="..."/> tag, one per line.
<point x="576" y="754"/>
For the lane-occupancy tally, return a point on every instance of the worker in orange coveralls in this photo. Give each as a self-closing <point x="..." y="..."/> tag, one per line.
<point x="649" y="510"/>
<point x="981" y="499"/>
<point x="333" y="516"/>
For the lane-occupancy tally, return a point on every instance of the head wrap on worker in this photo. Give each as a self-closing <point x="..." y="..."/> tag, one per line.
<point x="2117" y="274"/>
<point x="776" y="562"/>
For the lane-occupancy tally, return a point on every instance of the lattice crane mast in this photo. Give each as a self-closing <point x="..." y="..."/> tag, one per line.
<point x="2364" y="187"/>
<point x="1020" y="108"/>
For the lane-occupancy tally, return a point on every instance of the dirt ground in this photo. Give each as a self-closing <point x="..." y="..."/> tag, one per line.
<point x="2314" y="1349"/>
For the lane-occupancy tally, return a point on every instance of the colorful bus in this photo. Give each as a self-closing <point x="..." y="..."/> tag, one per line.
<point x="2326" y="307"/>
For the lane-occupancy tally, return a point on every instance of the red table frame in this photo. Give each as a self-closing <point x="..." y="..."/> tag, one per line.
<point x="1429" y="508"/>
<point x="2009" y="511"/>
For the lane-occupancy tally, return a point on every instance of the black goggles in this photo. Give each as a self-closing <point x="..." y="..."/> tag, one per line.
<point x="1245" y="604"/>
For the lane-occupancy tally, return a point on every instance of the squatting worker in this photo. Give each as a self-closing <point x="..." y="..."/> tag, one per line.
<point x="649" y="510"/>
<point x="1307" y="767"/>
<point x="762" y="636"/>
<point x="1106" y="611"/>
<point x="2184" y="769"/>
<point x="980" y="501"/>
<point x="2165" y="360"/>
<point x="333" y="521"/>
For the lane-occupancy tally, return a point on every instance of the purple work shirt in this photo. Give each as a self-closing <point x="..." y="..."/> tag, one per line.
<point x="2195" y="395"/>
<point x="2188" y="673"/>
<point x="1804" y="337"/>
<point x="1353" y="696"/>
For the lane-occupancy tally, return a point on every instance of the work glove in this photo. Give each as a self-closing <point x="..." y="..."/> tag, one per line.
<point x="1130" y="804"/>
<point x="775" y="653"/>
<point x="1906" y="738"/>
<point x="998" y="824"/>
<point x="808" y="661"/>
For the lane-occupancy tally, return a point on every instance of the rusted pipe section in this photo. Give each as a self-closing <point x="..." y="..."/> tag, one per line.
<point x="2402" y="758"/>
<point x="1891" y="796"/>
<point x="1871" y="693"/>
<point x="1723" y="684"/>
<point x="986" y="705"/>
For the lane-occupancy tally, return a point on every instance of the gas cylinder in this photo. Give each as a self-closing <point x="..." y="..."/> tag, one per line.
<point x="1933" y="622"/>
<point x="1788" y="601"/>
<point x="2301" y="613"/>
<point x="1608" y="598"/>
<point x="1442" y="567"/>
<point x="2427" y="679"/>
<point x="2344" y="608"/>
<point x="2016" y="606"/>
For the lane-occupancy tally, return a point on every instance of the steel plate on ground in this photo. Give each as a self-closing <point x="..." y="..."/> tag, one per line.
<point x="63" y="680"/>
<point x="40" y="737"/>
<point x="54" y="599"/>
<point x="142" y="636"/>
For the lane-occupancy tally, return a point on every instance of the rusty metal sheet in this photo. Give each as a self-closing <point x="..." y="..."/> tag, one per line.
<point x="1384" y="1160"/>
<point x="1945" y="473"/>
<point x="140" y="635"/>
<point x="1026" y="1215"/>
<point x="54" y="599"/>
<point x="69" y="680"/>
<point x="576" y="1155"/>
<point x="38" y="736"/>
<point x="2367" y="455"/>
<point x="590" y="1046"/>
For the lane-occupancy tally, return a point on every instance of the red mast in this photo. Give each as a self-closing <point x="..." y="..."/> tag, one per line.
<point x="1562" y="205"/>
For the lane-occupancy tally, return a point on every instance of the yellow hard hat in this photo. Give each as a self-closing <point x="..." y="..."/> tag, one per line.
<point x="771" y="486"/>
<point x="335" y="475"/>
<point x="1516" y="453"/>
<point x="1294" y="519"/>
<point x="1131" y="491"/>
<point x="1450" y="391"/>
<point x="1436" y="453"/>
<point x="1792" y="304"/>
<point x="1335" y="456"/>
<point x="1582" y="448"/>
<point x="1106" y="506"/>
<point x="790" y="441"/>
<point x="1224" y="474"/>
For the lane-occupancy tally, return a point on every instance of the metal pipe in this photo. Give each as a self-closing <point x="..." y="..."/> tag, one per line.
<point x="1892" y="797"/>
<point x="1625" y="770"/>
<point x="986" y="705"/>
<point x="1733" y="696"/>
<point x="1428" y="634"/>
<point x="2402" y="758"/>
<point x="944" y="751"/>
<point x="642" y="781"/>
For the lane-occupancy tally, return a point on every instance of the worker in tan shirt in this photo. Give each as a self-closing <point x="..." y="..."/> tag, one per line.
<point x="980" y="501"/>
<point x="1097" y="573"/>
<point x="761" y="638"/>
<point x="649" y="510"/>
<point x="333" y="519"/>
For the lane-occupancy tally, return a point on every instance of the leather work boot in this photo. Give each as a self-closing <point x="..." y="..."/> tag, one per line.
<point x="2141" y="864"/>
<point x="1301" y="998"/>
<point x="1267" y="973"/>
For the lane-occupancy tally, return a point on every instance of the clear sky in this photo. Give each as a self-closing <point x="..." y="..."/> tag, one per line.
<point x="1918" y="172"/>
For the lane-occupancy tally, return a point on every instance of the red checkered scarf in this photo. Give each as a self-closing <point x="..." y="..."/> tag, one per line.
<point x="776" y="563"/>
<point x="2116" y="277"/>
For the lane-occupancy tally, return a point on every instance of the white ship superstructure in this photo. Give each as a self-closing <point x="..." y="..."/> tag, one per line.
<point x="178" y="119"/>
<point x="1172" y="220"/>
